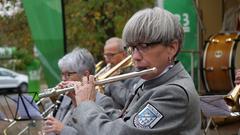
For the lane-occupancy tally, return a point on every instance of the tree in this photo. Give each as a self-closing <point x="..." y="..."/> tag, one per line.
<point x="15" y="32"/>
<point x="89" y="23"/>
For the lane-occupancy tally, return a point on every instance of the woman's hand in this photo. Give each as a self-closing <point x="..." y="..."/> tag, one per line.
<point x="85" y="90"/>
<point x="52" y="125"/>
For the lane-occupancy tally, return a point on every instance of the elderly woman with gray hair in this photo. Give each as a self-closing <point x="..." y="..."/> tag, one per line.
<point x="73" y="66"/>
<point x="164" y="102"/>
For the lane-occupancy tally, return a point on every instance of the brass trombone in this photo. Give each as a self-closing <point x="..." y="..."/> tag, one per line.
<point x="123" y="64"/>
<point x="233" y="98"/>
<point x="103" y="70"/>
<point x="106" y="72"/>
<point x="99" y="65"/>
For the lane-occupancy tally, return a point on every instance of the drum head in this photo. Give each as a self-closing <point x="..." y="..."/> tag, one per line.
<point x="220" y="59"/>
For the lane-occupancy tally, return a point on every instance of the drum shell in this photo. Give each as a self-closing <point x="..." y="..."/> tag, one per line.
<point x="220" y="59"/>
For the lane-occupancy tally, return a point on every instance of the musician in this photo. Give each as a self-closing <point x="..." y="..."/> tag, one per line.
<point x="165" y="103"/>
<point x="114" y="53"/>
<point x="73" y="66"/>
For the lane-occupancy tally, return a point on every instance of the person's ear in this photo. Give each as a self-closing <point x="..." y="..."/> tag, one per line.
<point x="86" y="73"/>
<point x="173" y="48"/>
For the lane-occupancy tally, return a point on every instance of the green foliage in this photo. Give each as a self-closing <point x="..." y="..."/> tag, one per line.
<point x="20" y="61"/>
<point x="15" y="31"/>
<point x="23" y="58"/>
<point x="89" y="23"/>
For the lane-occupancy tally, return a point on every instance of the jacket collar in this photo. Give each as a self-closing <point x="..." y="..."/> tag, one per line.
<point x="163" y="79"/>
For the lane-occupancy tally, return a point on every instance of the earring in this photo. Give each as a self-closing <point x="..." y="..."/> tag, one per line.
<point x="170" y="60"/>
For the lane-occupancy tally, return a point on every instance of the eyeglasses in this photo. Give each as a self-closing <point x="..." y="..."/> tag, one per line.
<point x="110" y="55"/>
<point x="68" y="74"/>
<point x="141" y="47"/>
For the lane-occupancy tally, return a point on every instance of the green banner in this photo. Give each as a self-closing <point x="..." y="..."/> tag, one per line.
<point x="46" y="24"/>
<point x="186" y="12"/>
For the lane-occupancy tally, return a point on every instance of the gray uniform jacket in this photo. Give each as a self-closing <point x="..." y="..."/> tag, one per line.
<point x="103" y="101"/>
<point x="119" y="91"/>
<point x="167" y="105"/>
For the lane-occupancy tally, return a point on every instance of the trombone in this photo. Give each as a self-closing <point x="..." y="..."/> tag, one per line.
<point x="54" y="91"/>
<point x="107" y="72"/>
<point x="123" y="64"/>
<point x="233" y="98"/>
<point x="99" y="65"/>
<point x="103" y="70"/>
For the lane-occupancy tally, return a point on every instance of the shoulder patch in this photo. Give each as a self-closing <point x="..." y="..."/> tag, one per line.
<point x="148" y="117"/>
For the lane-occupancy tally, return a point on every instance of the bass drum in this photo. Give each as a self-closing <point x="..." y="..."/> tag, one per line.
<point x="220" y="59"/>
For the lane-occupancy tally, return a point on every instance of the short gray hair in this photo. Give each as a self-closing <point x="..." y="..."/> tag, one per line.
<point x="117" y="40"/>
<point x="151" y="26"/>
<point x="79" y="60"/>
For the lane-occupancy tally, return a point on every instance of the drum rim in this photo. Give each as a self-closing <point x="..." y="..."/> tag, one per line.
<point x="203" y="61"/>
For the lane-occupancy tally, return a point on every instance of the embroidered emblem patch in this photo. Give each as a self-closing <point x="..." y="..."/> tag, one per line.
<point x="148" y="117"/>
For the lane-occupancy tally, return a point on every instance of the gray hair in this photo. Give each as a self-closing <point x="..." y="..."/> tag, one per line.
<point x="79" y="60"/>
<point x="117" y="40"/>
<point x="151" y="26"/>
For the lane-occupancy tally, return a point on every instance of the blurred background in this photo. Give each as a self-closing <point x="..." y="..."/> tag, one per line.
<point x="35" y="34"/>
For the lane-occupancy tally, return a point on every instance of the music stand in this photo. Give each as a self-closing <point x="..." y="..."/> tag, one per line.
<point x="18" y="106"/>
<point x="214" y="105"/>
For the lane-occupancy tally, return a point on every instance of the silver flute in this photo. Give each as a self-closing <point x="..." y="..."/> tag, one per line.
<point x="57" y="91"/>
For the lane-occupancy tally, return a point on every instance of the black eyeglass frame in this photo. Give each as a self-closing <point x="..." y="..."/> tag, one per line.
<point x="68" y="74"/>
<point x="141" y="46"/>
<point x="110" y="55"/>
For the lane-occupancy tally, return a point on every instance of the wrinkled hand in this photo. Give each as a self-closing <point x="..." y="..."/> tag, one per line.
<point x="237" y="77"/>
<point x="64" y="84"/>
<point x="52" y="125"/>
<point x="85" y="90"/>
